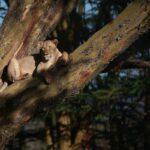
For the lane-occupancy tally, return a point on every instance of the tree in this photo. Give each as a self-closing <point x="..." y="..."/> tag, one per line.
<point x="23" y="27"/>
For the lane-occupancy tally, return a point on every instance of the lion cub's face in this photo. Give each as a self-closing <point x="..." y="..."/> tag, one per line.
<point x="49" y="49"/>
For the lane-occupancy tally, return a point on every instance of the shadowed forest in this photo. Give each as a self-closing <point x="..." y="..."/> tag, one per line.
<point x="112" y="112"/>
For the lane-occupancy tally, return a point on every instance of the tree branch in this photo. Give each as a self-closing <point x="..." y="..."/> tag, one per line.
<point x="88" y="60"/>
<point x="135" y="63"/>
<point x="129" y="64"/>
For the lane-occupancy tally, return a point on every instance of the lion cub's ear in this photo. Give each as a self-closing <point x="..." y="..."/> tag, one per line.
<point x="55" y="41"/>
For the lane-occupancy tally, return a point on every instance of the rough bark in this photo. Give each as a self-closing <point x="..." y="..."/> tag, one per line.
<point x="82" y="138"/>
<point x="89" y="59"/>
<point x="25" y="25"/>
<point x="65" y="132"/>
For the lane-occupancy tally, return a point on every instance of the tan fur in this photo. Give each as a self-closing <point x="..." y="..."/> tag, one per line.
<point x="3" y="85"/>
<point x="19" y="69"/>
<point x="51" y="55"/>
<point x="65" y="57"/>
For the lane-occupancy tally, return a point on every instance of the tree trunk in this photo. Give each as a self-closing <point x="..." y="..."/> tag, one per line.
<point x="24" y="26"/>
<point x="65" y="132"/>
